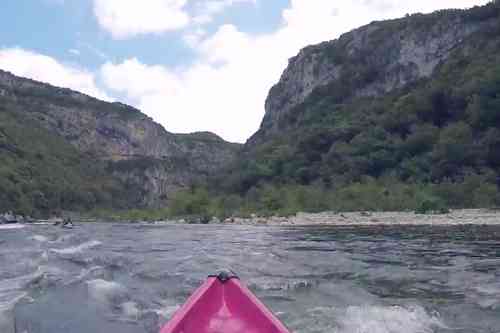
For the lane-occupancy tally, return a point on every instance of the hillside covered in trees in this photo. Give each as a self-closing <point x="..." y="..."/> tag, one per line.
<point x="396" y="115"/>
<point x="400" y="114"/>
<point x="41" y="173"/>
<point x="63" y="150"/>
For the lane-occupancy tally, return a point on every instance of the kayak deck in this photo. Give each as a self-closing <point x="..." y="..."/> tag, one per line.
<point x="224" y="307"/>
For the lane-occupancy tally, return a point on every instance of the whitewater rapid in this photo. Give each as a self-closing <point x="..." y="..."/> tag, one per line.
<point x="132" y="278"/>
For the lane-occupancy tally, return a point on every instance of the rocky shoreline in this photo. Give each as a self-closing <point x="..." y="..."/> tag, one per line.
<point x="455" y="217"/>
<point x="11" y="218"/>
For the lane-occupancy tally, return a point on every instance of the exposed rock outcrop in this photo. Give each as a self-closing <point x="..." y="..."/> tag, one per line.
<point x="381" y="57"/>
<point x="138" y="150"/>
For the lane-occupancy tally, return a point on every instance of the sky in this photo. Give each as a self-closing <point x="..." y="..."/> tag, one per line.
<point x="191" y="65"/>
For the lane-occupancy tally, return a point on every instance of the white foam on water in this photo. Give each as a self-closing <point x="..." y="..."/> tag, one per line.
<point x="39" y="238"/>
<point x="130" y="310"/>
<point x="12" y="226"/>
<point x="105" y="291"/>
<point x="11" y="292"/>
<point x="77" y="249"/>
<point x="489" y="289"/>
<point x="167" y="310"/>
<point x="64" y="238"/>
<point x="488" y="303"/>
<point x="486" y="295"/>
<point x="50" y="276"/>
<point x="9" y="299"/>
<point x="368" y="319"/>
<point x="18" y="283"/>
<point x="45" y="256"/>
<point x="393" y="319"/>
<point x="92" y="273"/>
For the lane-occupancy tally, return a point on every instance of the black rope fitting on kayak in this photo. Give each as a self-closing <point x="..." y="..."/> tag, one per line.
<point x="225" y="275"/>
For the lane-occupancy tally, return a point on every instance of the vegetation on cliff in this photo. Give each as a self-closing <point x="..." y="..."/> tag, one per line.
<point x="40" y="172"/>
<point x="433" y="144"/>
<point x="425" y="145"/>
<point x="62" y="150"/>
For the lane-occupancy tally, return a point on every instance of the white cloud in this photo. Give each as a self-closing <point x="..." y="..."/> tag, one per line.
<point x="187" y="100"/>
<point x="225" y="89"/>
<point x="194" y="37"/>
<point x="129" y="18"/>
<point x="139" y="80"/>
<point x="207" y="9"/>
<point x="46" y="69"/>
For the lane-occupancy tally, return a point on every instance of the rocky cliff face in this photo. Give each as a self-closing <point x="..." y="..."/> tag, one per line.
<point x="412" y="100"/>
<point x="139" y="151"/>
<point x="373" y="60"/>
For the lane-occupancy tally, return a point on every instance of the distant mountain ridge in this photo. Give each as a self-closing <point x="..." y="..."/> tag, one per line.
<point x="108" y="130"/>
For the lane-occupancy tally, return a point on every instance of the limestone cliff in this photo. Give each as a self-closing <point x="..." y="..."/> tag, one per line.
<point x="138" y="150"/>
<point x="371" y="61"/>
<point x="411" y="100"/>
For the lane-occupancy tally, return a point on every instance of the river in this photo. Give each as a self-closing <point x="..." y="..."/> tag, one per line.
<point x="128" y="278"/>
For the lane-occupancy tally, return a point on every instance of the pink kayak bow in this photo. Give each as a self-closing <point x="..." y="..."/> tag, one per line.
<point x="223" y="305"/>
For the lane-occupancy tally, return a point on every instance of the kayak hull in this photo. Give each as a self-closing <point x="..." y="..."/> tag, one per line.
<point x="223" y="307"/>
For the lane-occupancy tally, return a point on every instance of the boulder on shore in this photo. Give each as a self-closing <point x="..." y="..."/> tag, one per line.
<point x="8" y="218"/>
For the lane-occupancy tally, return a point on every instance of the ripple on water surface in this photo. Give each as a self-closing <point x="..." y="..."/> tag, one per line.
<point x="131" y="278"/>
<point x="77" y="249"/>
<point x="367" y="319"/>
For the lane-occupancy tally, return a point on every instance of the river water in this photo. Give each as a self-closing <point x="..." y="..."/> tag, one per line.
<point x="131" y="277"/>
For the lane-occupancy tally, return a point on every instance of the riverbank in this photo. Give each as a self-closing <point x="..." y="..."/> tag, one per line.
<point x="455" y="217"/>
